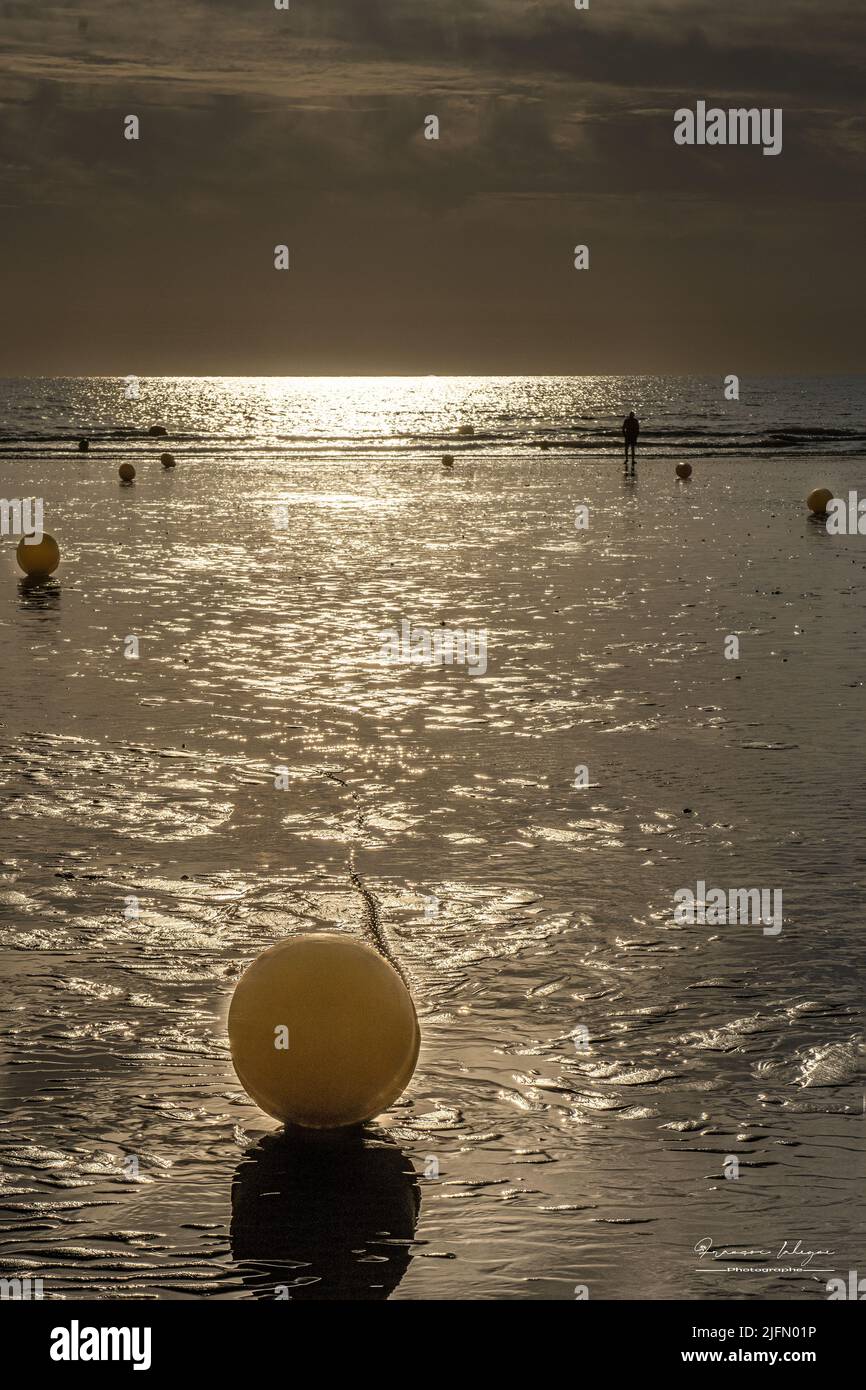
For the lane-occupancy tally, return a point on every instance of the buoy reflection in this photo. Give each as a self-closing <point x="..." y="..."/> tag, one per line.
<point x="324" y="1216"/>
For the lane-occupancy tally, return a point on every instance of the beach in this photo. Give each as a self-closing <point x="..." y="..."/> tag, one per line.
<point x="524" y="907"/>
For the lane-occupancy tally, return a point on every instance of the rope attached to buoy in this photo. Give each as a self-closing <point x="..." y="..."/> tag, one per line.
<point x="372" y="920"/>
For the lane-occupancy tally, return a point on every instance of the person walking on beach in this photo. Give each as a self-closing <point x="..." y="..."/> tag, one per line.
<point x="631" y="430"/>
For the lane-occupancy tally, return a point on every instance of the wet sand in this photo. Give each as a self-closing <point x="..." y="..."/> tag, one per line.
<point x="258" y="649"/>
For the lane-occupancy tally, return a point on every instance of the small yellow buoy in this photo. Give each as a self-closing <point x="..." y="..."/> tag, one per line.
<point x="684" y="470"/>
<point x="466" y="431"/>
<point x="127" y="472"/>
<point x="323" y="1032"/>
<point x="167" y="460"/>
<point x="818" y="500"/>
<point x="38" y="560"/>
<point x="447" y="460"/>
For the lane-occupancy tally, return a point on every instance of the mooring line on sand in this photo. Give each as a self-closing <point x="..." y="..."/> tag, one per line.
<point x="372" y="918"/>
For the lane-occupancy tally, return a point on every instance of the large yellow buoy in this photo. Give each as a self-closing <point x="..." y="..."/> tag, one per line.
<point x="323" y="1031"/>
<point x="819" y="499"/>
<point x="167" y="460"/>
<point x="127" y="472"/>
<point x="683" y="470"/>
<point x="38" y="560"/>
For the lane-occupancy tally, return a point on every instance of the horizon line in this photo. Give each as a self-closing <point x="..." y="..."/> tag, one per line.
<point x="420" y="376"/>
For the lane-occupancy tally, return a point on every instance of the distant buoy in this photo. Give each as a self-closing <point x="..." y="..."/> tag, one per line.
<point x="684" y="470"/>
<point x="127" y="472"/>
<point x="545" y="444"/>
<point x="466" y="431"/>
<point x="323" y="1032"/>
<point x="83" y="445"/>
<point x="167" y="460"/>
<point x="157" y="429"/>
<point x="447" y="460"/>
<point x="39" y="560"/>
<point x="818" y="500"/>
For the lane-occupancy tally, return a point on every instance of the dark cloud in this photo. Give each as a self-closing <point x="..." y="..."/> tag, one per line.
<point x="306" y="126"/>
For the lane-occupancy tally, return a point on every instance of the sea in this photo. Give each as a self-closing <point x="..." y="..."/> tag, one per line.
<point x="366" y="418"/>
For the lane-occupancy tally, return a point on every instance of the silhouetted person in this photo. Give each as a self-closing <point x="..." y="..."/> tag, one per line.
<point x="631" y="430"/>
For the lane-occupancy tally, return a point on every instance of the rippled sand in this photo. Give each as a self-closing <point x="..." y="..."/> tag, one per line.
<point x="258" y="649"/>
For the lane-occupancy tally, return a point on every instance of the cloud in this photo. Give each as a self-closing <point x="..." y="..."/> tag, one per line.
<point x="259" y="126"/>
<point x="406" y="47"/>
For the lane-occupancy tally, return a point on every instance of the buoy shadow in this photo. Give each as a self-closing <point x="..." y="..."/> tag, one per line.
<point x="39" y="592"/>
<point x="324" y="1215"/>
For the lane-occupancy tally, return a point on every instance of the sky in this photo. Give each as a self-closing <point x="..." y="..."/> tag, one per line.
<point x="305" y="127"/>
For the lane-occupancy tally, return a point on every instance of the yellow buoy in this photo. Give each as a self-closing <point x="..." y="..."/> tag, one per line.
<point x="466" y="431"/>
<point x="818" y="500"/>
<point x="684" y="470"/>
<point x="323" y="1032"/>
<point x="127" y="472"/>
<point x="447" y="460"/>
<point x="167" y="460"/>
<point x="38" y="560"/>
